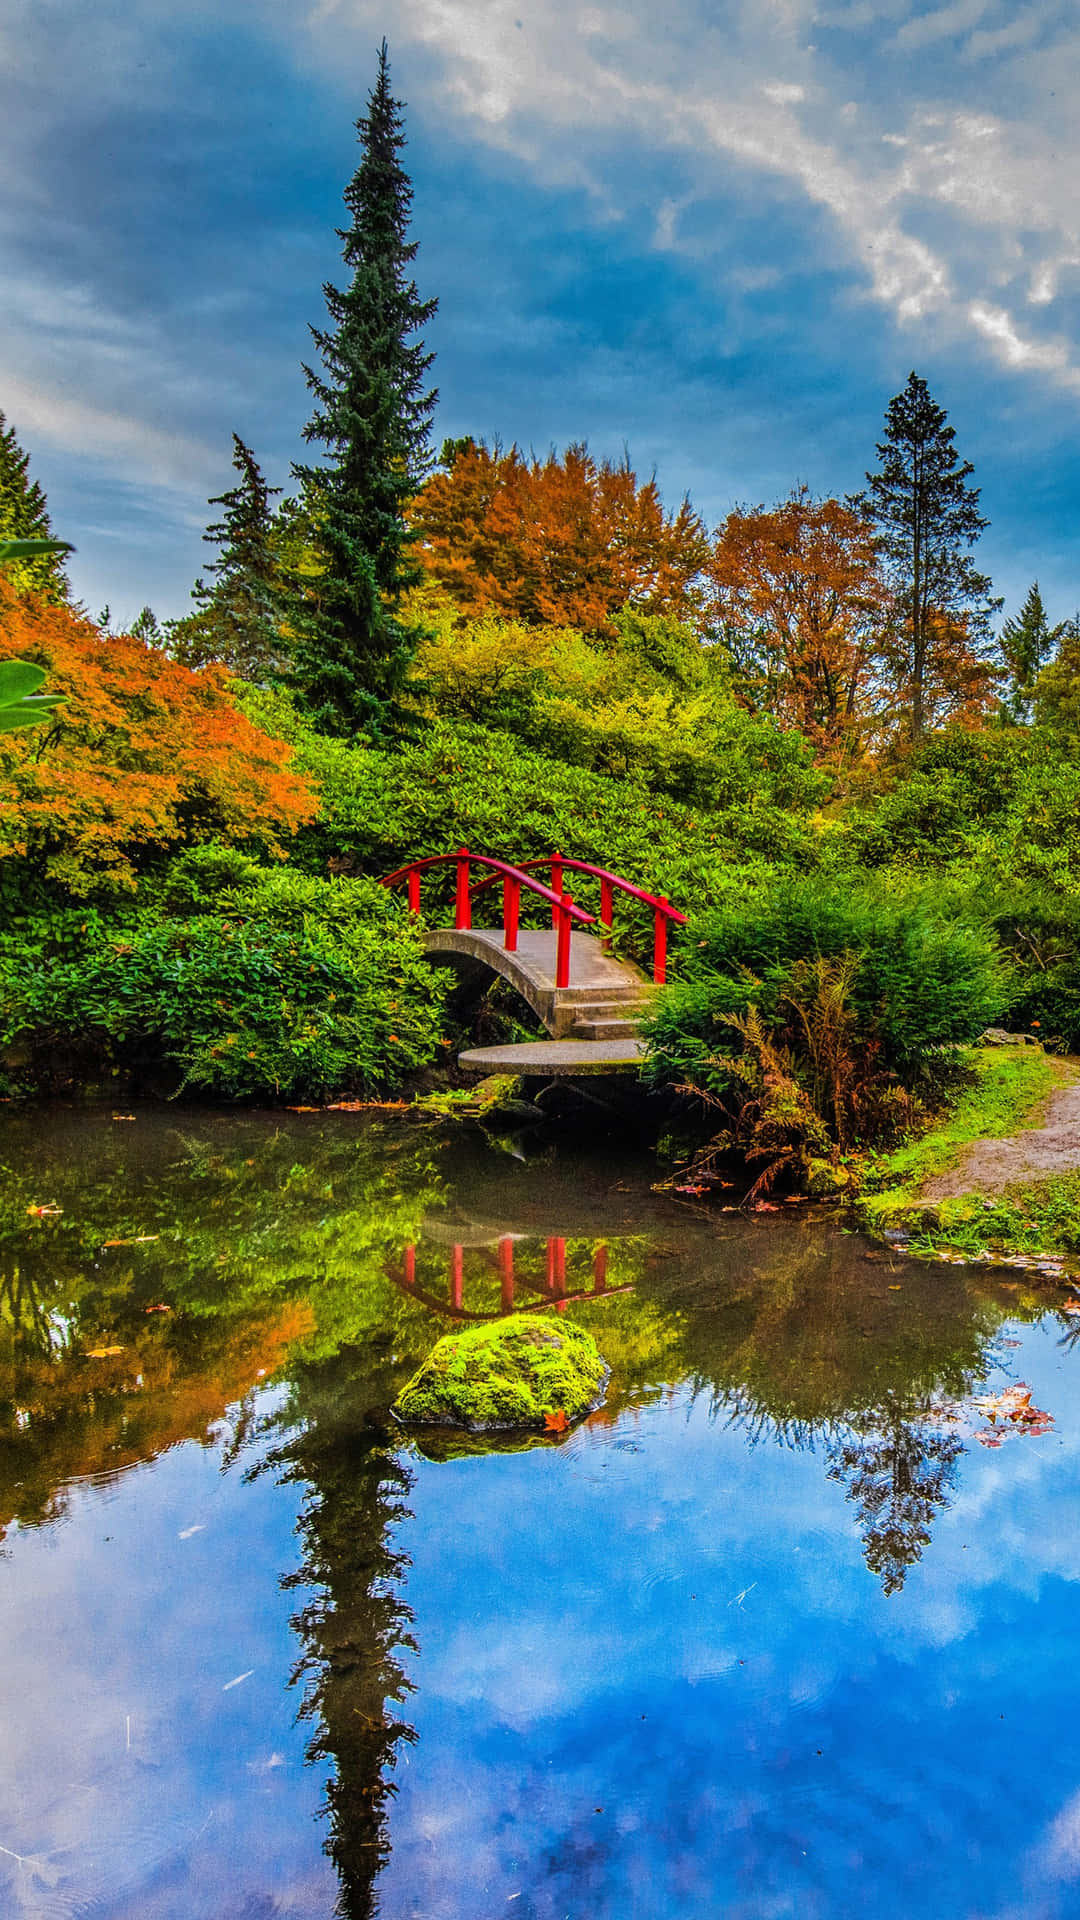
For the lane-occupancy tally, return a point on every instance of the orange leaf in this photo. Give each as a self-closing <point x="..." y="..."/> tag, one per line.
<point x="556" y="1422"/>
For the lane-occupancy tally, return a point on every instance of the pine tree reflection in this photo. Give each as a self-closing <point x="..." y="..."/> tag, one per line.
<point x="898" y="1466"/>
<point x="356" y="1627"/>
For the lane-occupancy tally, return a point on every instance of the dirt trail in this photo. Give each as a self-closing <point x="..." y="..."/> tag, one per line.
<point x="989" y="1165"/>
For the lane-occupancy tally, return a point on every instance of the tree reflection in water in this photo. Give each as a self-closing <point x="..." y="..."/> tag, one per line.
<point x="899" y="1471"/>
<point x="355" y="1627"/>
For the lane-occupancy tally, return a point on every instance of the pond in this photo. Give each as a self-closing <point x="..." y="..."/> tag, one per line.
<point x="784" y="1629"/>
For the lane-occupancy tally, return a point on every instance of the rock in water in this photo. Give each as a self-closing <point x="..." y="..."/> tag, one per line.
<point x="528" y="1370"/>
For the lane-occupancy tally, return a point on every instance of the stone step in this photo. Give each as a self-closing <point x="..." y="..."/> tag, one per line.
<point x="586" y="1027"/>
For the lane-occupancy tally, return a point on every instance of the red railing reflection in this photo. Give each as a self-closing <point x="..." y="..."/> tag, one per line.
<point x="553" y="1289"/>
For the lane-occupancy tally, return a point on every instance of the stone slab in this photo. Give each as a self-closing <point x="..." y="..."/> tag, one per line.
<point x="556" y="1058"/>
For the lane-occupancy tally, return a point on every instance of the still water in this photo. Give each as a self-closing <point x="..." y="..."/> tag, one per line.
<point x="789" y="1627"/>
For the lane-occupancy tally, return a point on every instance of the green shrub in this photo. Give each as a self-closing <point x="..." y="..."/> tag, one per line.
<point x="922" y="982"/>
<point x="815" y="1004"/>
<point x="463" y="785"/>
<point x="285" y="987"/>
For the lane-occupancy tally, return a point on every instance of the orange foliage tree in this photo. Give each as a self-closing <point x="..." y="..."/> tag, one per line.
<point x="560" y="542"/>
<point x="143" y="754"/>
<point x="958" y="686"/>
<point x="801" y="601"/>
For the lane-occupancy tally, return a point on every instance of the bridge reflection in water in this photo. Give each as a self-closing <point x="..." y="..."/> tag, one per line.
<point x="522" y="1289"/>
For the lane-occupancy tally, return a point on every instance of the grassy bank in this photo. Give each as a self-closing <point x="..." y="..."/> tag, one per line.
<point x="1008" y="1095"/>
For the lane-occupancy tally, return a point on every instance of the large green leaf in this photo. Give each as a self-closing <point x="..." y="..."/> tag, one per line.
<point x="28" y="713"/>
<point x="28" y="549"/>
<point x="21" y="705"/>
<point x="17" y="679"/>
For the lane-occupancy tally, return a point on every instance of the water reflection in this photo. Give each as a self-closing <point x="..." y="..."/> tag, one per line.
<point x="899" y="1472"/>
<point x="354" y="1626"/>
<point x="183" y="1265"/>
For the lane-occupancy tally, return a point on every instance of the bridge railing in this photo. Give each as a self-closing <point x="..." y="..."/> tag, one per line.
<point x="564" y="912"/>
<point x="664" y="914"/>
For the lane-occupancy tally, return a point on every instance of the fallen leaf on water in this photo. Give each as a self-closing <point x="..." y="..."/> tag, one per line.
<point x="988" y="1439"/>
<point x="161" y="1309"/>
<point x="688" y="1189"/>
<point x="1013" y="1410"/>
<point x="123" y="1116"/>
<point x="766" y="1206"/>
<point x="102" y="1353"/>
<point x="303" y="1109"/>
<point x="556" y="1422"/>
<point x="1071" y="1306"/>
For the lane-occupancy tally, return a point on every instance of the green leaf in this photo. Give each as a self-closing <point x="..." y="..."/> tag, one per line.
<point x="28" y="713"/>
<point x="28" y="549"/>
<point x="17" y="679"/>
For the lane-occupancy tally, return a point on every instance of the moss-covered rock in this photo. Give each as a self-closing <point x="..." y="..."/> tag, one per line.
<point x="528" y="1370"/>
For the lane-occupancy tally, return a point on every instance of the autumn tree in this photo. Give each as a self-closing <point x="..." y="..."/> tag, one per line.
<point x="350" y="647"/>
<point x="24" y="515"/>
<point x="1028" y="644"/>
<point x="927" y="517"/>
<point x="564" y="542"/>
<point x="142" y="755"/>
<point x="239" y="615"/>
<point x="801" y="606"/>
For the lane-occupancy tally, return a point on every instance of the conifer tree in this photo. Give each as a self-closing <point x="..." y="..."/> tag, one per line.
<point x="240" y="614"/>
<point x="350" y="648"/>
<point x="24" y="516"/>
<point x="927" y="517"/>
<point x="1028" y="643"/>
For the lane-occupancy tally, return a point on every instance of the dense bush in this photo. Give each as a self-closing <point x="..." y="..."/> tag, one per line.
<point x="241" y="983"/>
<point x="465" y="785"/>
<point x="808" y="1012"/>
<point x="645" y="702"/>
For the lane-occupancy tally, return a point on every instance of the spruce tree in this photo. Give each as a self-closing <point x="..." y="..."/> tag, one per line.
<point x="1028" y="643"/>
<point x="350" y="647"/>
<point x="240" y="614"/>
<point x="24" y="516"/>
<point x="927" y="517"/>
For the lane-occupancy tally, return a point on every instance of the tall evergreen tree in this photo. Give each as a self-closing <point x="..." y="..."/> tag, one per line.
<point x="1028" y="643"/>
<point x="240" y="614"/>
<point x="351" y="649"/>
<point x="25" y="516"/>
<point x="927" y="517"/>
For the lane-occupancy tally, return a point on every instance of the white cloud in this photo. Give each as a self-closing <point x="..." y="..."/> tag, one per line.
<point x="567" y="97"/>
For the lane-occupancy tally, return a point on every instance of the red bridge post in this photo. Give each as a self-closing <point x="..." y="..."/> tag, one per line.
<point x="607" y="911"/>
<point x="659" y="972"/>
<point x="565" y="927"/>
<point x="414" y="890"/>
<point x="556" y="884"/>
<point x="511" y="911"/>
<point x="463" y="912"/>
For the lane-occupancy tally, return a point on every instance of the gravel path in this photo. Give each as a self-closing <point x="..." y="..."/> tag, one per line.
<point x="989" y="1165"/>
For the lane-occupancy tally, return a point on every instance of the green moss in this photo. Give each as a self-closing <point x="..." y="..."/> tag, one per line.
<point x="508" y="1373"/>
<point x="1007" y="1095"/>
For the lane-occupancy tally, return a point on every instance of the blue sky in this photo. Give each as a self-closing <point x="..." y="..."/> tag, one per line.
<point x="720" y="238"/>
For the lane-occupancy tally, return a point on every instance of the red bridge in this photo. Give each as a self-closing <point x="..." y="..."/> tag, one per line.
<point x="590" y="1001"/>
